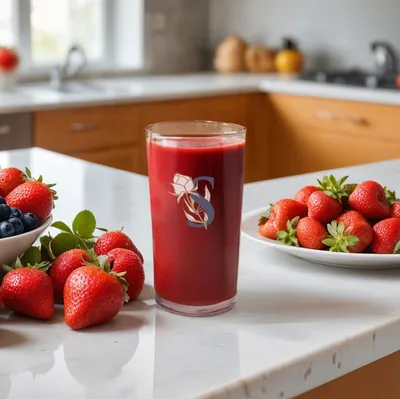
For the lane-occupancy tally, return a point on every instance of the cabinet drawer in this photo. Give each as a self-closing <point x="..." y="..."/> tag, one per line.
<point x="82" y="129"/>
<point x="15" y="131"/>
<point x="128" y="158"/>
<point x="363" y="120"/>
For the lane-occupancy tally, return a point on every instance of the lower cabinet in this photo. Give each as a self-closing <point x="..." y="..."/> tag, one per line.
<point x="128" y="158"/>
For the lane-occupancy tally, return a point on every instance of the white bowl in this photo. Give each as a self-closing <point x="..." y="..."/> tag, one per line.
<point x="339" y="259"/>
<point x="13" y="247"/>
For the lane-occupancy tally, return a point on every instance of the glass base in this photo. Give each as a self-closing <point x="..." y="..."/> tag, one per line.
<point x="195" y="311"/>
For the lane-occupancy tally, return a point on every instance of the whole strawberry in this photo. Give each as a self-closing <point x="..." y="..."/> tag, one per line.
<point x="369" y="198"/>
<point x="92" y="296"/>
<point x="32" y="197"/>
<point x="115" y="239"/>
<point x="323" y="207"/>
<point x="283" y="211"/>
<point x="124" y="260"/>
<point x="29" y="291"/>
<point x="356" y="225"/>
<point x="311" y="233"/>
<point x="303" y="194"/>
<point x="62" y="267"/>
<point x="9" y="179"/>
<point x="386" y="237"/>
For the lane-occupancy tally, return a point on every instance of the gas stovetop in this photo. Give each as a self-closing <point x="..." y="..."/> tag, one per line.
<point x="351" y="78"/>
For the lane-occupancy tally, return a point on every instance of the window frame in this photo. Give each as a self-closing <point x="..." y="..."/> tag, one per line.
<point x="21" y="23"/>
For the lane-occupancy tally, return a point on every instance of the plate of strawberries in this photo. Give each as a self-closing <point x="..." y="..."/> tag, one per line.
<point x="336" y="223"/>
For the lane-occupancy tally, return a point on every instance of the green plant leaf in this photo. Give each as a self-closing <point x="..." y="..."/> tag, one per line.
<point x="63" y="242"/>
<point x="31" y="256"/>
<point x="397" y="248"/>
<point x="329" y="242"/>
<point x="61" y="226"/>
<point x="340" y="228"/>
<point x="45" y="251"/>
<point x="84" y="224"/>
<point x="102" y="229"/>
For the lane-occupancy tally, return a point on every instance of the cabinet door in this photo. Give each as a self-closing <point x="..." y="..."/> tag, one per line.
<point x="129" y="158"/>
<point x="310" y="134"/>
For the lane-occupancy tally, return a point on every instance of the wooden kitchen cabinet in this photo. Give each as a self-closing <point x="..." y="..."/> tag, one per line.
<point x="308" y="134"/>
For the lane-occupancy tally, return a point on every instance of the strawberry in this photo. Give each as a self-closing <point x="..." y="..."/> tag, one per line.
<point x="34" y="197"/>
<point x="386" y="237"/>
<point x="323" y="207"/>
<point x="356" y="225"/>
<point x="124" y="260"/>
<point x="395" y="210"/>
<point x="311" y="233"/>
<point x="115" y="239"/>
<point x="92" y="296"/>
<point x="369" y="199"/>
<point x="63" y="266"/>
<point x="9" y="59"/>
<point x="303" y="194"/>
<point x="339" y="240"/>
<point x="9" y="179"/>
<point x="281" y="212"/>
<point x="29" y="291"/>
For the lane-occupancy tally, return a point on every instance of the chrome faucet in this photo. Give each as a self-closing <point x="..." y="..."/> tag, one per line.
<point x="59" y="75"/>
<point x="385" y="58"/>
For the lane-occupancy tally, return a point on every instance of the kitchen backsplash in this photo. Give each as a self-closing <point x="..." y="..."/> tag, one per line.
<point x="333" y="34"/>
<point x="177" y="33"/>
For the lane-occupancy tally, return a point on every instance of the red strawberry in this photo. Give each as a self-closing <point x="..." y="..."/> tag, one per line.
<point x="311" y="233"/>
<point x="29" y="291"/>
<point x="369" y="198"/>
<point x="386" y="238"/>
<point x="115" y="239"/>
<point x="323" y="207"/>
<point x="32" y="196"/>
<point x="62" y="267"/>
<point x="9" y="59"/>
<point x="282" y="212"/>
<point x="9" y="179"/>
<point x="303" y="195"/>
<point x="124" y="260"/>
<point x="395" y="210"/>
<point x="355" y="224"/>
<point x="91" y="296"/>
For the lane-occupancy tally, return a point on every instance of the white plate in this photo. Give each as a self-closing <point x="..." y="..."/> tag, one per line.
<point x="353" y="261"/>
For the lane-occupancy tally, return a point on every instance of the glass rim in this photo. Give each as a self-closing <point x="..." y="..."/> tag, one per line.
<point x="231" y="129"/>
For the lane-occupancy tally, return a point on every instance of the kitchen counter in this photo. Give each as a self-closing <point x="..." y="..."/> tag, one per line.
<point x="296" y="325"/>
<point x="156" y="88"/>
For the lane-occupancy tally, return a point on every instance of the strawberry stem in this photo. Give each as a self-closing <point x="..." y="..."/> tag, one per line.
<point x="288" y="236"/>
<point x="339" y="240"/>
<point x="333" y="188"/>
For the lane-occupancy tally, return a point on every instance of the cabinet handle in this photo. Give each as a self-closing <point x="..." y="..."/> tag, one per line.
<point x="5" y="129"/>
<point x="357" y="120"/>
<point x="83" y="127"/>
<point x="322" y="114"/>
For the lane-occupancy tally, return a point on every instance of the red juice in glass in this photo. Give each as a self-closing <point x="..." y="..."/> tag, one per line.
<point x="196" y="187"/>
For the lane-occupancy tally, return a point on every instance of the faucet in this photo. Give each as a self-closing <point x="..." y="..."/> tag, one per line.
<point x="60" y="74"/>
<point x="385" y="58"/>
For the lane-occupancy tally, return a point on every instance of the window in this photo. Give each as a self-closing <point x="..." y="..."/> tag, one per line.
<point x="43" y="30"/>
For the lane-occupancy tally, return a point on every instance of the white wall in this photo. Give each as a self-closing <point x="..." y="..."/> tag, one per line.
<point x="332" y="33"/>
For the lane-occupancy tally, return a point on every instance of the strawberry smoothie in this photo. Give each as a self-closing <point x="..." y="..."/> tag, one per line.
<point x="196" y="187"/>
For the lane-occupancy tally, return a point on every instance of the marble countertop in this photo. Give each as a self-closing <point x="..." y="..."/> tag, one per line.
<point x="296" y="325"/>
<point x="35" y="97"/>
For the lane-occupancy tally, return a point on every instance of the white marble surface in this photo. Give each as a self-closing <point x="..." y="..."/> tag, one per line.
<point x="296" y="325"/>
<point x="152" y="88"/>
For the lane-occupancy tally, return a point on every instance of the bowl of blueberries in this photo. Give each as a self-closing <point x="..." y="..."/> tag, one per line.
<point x="18" y="231"/>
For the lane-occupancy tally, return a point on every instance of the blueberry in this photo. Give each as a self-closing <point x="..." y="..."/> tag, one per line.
<point x="5" y="212"/>
<point x="2" y="200"/>
<point x="30" y="221"/>
<point x="6" y="230"/>
<point x="15" y="213"/>
<point x="17" y="224"/>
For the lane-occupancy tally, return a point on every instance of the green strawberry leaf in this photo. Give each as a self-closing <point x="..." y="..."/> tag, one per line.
<point x="31" y="256"/>
<point x="397" y="248"/>
<point x="63" y="242"/>
<point x="62" y="226"/>
<point x="84" y="224"/>
<point x="102" y="229"/>
<point x="46" y="254"/>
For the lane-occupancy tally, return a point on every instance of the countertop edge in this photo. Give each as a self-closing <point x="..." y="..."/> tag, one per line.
<point x="313" y="370"/>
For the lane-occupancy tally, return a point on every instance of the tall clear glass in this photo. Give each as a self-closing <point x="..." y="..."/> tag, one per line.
<point x="196" y="187"/>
